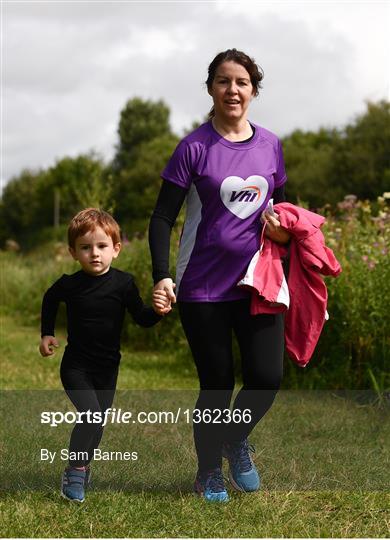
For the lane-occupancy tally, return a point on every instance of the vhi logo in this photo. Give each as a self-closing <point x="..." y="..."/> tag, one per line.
<point x="244" y="197"/>
<point x="252" y="193"/>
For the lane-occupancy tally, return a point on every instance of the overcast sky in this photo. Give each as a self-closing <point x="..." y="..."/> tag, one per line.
<point x="68" y="68"/>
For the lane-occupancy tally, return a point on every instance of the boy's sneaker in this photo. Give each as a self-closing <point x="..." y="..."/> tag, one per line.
<point x="210" y="485"/>
<point x="243" y="474"/>
<point x="73" y="482"/>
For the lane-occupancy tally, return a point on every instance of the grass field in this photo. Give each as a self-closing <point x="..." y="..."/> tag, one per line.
<point x="324" y="459"/>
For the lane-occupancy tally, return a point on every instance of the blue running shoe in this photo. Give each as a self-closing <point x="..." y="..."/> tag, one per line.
<point x="72" y="486"/>
<point x="210" y="485"/>
<point x="243" y="474"/>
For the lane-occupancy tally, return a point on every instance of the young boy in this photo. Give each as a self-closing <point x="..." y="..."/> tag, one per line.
<point x="96" y="298"/>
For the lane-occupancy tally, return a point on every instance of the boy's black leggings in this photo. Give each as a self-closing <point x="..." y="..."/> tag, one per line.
<point x="88" y="392"/>
<point x="208" y="327"/>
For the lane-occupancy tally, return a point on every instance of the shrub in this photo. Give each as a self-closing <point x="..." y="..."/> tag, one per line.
<point x="355" y="340"/>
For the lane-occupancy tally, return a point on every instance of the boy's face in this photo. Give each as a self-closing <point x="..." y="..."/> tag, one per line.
<point x="95" y="252"/>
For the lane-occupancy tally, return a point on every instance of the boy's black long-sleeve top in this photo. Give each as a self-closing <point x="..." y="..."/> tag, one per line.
<point x="95" y="307"/>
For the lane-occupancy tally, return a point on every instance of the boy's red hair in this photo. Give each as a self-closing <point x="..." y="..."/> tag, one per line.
<point x="87" y="220"/>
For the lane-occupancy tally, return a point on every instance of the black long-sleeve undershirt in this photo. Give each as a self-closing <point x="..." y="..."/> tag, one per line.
<point x="168" y="205"/>
<point x="95" y="307"/>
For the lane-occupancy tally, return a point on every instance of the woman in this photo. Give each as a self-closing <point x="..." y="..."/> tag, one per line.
<point x="227" y="169"/>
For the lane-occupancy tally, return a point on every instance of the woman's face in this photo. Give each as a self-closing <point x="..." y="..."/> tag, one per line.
<point x="232" y="91"/>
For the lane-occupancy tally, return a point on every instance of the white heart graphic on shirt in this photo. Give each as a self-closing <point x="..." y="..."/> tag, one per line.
<point x="244" y="197"/>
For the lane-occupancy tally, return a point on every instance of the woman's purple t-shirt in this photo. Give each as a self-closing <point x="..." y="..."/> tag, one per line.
<point x="229" y="186"/>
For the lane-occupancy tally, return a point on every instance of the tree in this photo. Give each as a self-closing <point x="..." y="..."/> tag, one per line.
<point x="308" y="157"/>
<point x="140" y="122"/>
<point x="79" y="182"/>
<point x="28" y="200"/>
<point x="361" y="161"/>
<point x="145" y="145"/>
<point x="136" y="188"/>
<point x="326" y="165"/>
<point x="20" y="204"/>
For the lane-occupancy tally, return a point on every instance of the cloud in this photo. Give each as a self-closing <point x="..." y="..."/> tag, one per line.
<point x="69" y="69"/>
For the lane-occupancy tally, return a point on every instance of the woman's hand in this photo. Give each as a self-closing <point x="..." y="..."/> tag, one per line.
<point x="165" y="287"/>
<point x="46" y="347"/>
<point x="274" y="230"/>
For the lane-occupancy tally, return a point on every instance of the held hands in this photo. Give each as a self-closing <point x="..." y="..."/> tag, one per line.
<point x="163" y="296"/>
<point x="274" y="230"/>
<point x="46" y="347"/>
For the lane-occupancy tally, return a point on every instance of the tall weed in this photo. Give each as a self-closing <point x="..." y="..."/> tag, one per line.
<point x="354" y="346"/>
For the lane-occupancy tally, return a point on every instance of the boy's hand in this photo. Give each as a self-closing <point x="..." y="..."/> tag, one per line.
<point x="166" y="287"/>
<point x="161" y="302"/>
<point x="46" y="347"/>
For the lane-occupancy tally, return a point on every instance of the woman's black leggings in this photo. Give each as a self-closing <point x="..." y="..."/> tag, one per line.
<point x="208" y="327"/>
<point x="88" y="392"/>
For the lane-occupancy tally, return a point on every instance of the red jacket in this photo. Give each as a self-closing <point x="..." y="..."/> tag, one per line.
<point x="305" y="297"/>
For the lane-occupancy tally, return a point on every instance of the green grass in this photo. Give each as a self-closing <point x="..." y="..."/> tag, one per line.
<point x="143" y="514"/>
<point x="324" y="459"/>
<point x="24" y="368"/>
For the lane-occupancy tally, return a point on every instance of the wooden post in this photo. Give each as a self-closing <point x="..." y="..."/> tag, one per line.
<point x="56" y="208"/>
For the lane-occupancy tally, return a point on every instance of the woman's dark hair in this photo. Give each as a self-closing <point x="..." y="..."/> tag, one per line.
<point x="233" y="55"/>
